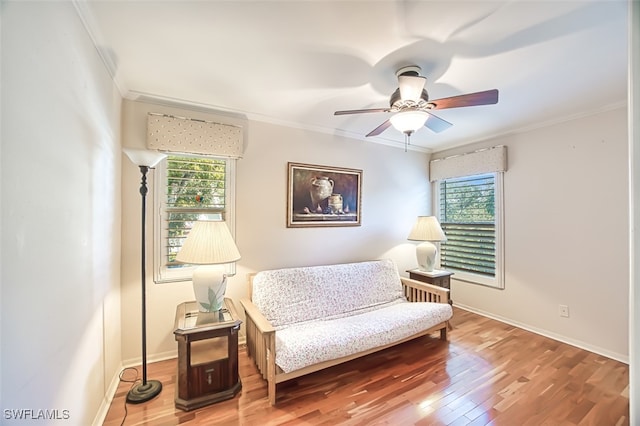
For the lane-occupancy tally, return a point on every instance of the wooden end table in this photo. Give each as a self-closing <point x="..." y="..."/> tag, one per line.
<point x="207" y="355"/>
<point x="438" y="277"/>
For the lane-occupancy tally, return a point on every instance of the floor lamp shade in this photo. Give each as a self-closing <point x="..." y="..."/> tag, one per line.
<point x="428" y="230"/>
<point x="210" y="245"/>
<point x="144" y="157"/>
<point x="147" y="389"/>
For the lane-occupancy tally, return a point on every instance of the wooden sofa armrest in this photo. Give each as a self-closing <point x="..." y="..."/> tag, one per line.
<point x="261" y="345"/>
<point x="258" y="319"/>
<point x="417" y="291"/>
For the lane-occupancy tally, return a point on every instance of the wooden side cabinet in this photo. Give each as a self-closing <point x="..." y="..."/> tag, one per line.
<point x="207" y="355"/>
<point x="438" y="277"/>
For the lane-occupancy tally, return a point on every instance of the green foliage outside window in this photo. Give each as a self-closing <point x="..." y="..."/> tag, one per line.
<point x="196" y="187"/>
<point x="467" y="216"/>
<point x="468" y="199"/>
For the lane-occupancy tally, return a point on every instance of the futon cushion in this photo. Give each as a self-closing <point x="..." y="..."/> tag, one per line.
<point x="301" y="345"/>
<point x="298" y="295"/>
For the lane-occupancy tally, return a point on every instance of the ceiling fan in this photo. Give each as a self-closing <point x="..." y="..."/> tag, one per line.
<point x="412" y="108"/>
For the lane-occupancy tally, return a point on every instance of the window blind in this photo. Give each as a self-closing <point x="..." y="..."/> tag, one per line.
<point x="467" y="216"/>
<point x="195" y="187"/>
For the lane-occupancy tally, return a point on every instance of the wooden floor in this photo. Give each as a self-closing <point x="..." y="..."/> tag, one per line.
<point x="488" y="373"/>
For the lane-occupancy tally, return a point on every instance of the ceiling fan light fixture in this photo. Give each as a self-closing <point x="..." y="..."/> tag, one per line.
<point x="409" y="121"/>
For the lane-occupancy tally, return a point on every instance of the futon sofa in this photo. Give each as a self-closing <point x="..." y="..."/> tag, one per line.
<point x="301" y="320"/>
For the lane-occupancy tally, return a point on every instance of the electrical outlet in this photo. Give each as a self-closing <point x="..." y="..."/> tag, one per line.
<point x="564" y="311"/>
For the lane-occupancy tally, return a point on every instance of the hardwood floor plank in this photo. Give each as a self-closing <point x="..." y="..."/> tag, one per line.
<point x="488" y="373"/>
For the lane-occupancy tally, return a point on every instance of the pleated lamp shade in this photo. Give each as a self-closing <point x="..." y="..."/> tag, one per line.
<point x="427" y="228"/>
<point x="208" y="243"/>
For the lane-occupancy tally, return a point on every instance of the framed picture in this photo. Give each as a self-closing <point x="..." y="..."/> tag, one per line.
<point x="323" y="196"/>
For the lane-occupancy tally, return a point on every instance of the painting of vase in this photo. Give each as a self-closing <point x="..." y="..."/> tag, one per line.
<point x="323" y="196"/>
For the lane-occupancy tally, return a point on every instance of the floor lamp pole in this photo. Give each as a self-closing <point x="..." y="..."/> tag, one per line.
<point x="147" y="389"/>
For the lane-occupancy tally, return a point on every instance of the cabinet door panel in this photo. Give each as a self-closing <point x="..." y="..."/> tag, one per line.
<point x="208" y="378"/>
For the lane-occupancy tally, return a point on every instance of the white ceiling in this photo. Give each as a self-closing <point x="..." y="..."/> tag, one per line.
<point x="296" y="62"/>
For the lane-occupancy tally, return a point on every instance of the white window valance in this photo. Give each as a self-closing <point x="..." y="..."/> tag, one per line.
<point x="187" y="135"/>
<point x="487" y="160"/>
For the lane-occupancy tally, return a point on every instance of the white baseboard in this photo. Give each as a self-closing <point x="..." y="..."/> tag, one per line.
<point x="115" y="380"/>
<point x="108" y="398"/>
<point x="564" y="339"/>
<point x="163" y="356"/>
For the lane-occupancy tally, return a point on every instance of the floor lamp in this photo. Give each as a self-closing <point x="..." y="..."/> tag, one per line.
<point x="148" y="389"/>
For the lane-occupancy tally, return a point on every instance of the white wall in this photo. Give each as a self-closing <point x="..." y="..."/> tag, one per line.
<point x="394" y="191"/>
<point x="566" y="227"/>
<point x="634" y="238"/>
<point x="60" y="222"/>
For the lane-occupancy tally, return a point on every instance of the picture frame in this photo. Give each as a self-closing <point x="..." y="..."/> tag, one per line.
<point x="320" y="196"/>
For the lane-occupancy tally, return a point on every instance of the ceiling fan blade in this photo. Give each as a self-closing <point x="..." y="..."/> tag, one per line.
<point x="487" y="97"/>
<point x="411" y="87"/>
<point x="436" y="123"/>
<point x="360" y="111"/>
<point x="381" y="128"/>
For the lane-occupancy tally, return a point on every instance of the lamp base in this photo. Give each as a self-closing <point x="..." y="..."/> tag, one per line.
<point x="426" y="255"/>
<point x="144" y="392"/>
<point x="209" y="285"/>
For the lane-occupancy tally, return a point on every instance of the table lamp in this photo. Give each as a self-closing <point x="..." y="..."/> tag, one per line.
<point x="428" y="230"/>
<point x="210" y="245"/>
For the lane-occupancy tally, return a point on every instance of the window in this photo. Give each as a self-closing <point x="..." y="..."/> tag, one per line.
<point x="469" y="210"/>
<point x="188" y="188"/>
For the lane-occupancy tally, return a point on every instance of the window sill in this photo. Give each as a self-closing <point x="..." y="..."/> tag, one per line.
<point x="478" y="279"/>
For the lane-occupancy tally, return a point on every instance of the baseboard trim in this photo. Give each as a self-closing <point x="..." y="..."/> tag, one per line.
<point x="564" y="339"/>
<point x="162" y="356"/>
<point x="108" y="398"/>
<point x="134" y="362"/>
